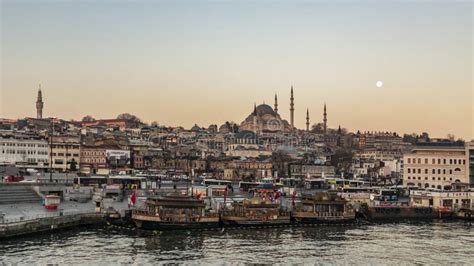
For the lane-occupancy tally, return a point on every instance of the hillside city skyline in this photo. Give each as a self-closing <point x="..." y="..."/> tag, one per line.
<point x="185" y="63"/>
<point x="312" y="122"/>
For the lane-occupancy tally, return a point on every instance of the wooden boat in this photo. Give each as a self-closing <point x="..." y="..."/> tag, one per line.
<point x="394" y="212"/>
<point x="255" y="212"/>
<point x="174" y="211"/>
<point x="324" y="207"/>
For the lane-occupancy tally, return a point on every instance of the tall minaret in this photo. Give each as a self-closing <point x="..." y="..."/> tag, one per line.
<point x="255" y="122"/>
<point x="325" y="120"/>
<point x="292" y="109"/>
<point x="276" y="104"/>
<point x="39" y="104"/>
<point x="307" y="119"/>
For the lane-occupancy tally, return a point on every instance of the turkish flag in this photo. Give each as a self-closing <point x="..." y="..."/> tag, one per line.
<point x="133" y="197"/>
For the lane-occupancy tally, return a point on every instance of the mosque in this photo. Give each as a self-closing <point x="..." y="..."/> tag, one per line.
<point x="265" y="119"/>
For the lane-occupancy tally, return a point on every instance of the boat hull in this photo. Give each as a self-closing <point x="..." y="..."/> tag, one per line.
<point x="310" y="218"/>
<point x="244" y="221"/>
<point x="154" y="223"/>
<point x="397" y="213"/>
<point x="165" y="226"/>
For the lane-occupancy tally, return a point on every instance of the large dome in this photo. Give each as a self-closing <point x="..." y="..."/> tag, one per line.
<point x="264" y="109"/>
<point x="266" y="119"/>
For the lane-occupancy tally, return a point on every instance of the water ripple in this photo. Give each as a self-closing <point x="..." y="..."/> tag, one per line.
<point x="404" y="243"/>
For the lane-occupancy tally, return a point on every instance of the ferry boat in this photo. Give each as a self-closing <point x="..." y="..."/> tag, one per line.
<point x="393" y="212"/>
<point x="174" y="211"/>
<point x="255" y="212"/>
<point x="324" y="207"/>
<point x="389" y="205"/>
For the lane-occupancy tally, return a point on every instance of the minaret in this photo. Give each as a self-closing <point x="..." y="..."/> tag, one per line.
<point x="276" y="104"/>
<point x="292" y="109"/>
<point x="325" y="120"/>
<point x="307" y="119"/>
<point x="255" y="122"/>
<point x="39" y="104"/>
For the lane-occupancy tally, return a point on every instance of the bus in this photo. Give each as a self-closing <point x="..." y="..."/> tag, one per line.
<point x="246" y="186"/>
<point x="209" y="182"/>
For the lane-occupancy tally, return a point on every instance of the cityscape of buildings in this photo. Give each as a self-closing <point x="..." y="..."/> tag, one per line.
<point x="263" y="145"/>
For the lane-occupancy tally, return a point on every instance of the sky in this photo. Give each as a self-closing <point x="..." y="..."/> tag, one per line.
<point x="207" y="62"/>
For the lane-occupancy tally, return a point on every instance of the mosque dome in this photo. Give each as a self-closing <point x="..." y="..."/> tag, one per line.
<point x="264" y="119"/>
<point x="263" y="109"/>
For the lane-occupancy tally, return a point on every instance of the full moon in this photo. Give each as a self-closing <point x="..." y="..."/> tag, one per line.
<point x="379" y="84"/>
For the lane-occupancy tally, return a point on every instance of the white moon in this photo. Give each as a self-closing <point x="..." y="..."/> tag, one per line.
<point x="379" y="84"/>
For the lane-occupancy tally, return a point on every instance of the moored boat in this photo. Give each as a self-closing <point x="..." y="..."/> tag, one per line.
<point x="394" y="212"/>
<point x="255" y="212"/>
<point x="323" y="207"/>
<point x="174" y="211"/>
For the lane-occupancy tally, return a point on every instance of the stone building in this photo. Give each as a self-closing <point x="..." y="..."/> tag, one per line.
<point x="435" y="167"/>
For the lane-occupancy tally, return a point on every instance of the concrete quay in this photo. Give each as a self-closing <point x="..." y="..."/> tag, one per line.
<point x="47" y="224"/>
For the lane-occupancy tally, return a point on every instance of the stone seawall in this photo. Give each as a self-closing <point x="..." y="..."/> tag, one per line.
<point x="49" y="224"/>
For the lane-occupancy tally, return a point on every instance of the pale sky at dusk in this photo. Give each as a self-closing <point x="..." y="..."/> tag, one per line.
<point x="186" y="62"/>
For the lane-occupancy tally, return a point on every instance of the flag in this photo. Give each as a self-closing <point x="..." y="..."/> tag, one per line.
<point x="133" y="197"/>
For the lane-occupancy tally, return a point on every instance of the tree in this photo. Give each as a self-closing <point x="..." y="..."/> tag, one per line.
<point x="342" y="160"/>
<point x="73" y="165"/>
<point x="129" y="117"/>
<point x="451" y="137"/>
<point x="88" y="118"/>
<point x="280" y="160"/>
<point x="318" y="128"/>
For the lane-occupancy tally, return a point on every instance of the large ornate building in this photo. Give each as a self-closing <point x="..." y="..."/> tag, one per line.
<point x="264" y="118"/>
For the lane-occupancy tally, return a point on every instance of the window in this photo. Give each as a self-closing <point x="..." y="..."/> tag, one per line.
<point x="444" y="171"/>
<point x="451" y="161"/>
<point x="444" y="161"/>
<point x="433" y="171"/>
<point x="419" y="160"/>
<point x="409" y="160"/>
<point x="439" y="161"/>
<point x="419" y="171"/>
<point x="439" y="171"/>
<point x="426" y="171"/>
<point x="426" y="160"/>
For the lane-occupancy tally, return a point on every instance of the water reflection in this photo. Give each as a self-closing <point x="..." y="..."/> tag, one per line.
<point x="402" y="243"/>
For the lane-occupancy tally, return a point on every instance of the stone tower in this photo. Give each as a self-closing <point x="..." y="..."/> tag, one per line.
<point x="307" y="119"/>
<point x="292" y="109"/>
<point x="39" y="104"/>
<point x="276" y="104"/>
<point x="325" y="120"/>
<point x="255" y="122"/>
